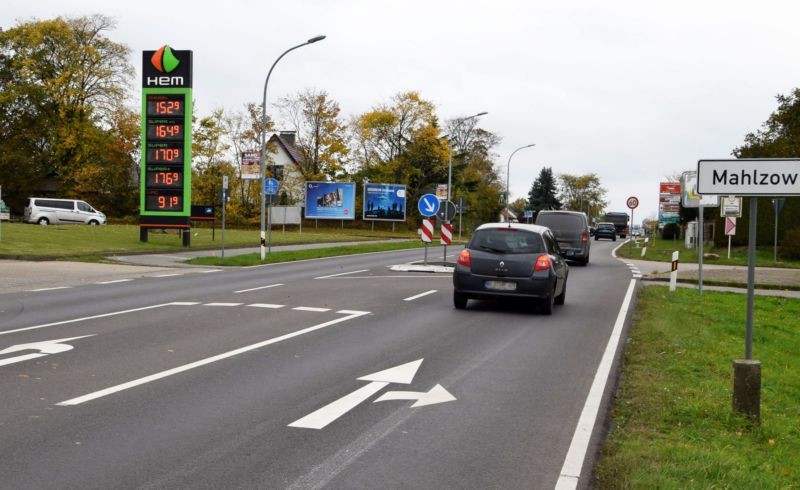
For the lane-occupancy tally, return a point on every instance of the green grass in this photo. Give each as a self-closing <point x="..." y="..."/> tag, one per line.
<point x="661" y="251"/>
<point x="33" y="242"/>
<point x="673" y="424"/>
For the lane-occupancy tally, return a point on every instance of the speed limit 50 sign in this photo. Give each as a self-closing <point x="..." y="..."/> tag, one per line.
<point x="632" y="202"/>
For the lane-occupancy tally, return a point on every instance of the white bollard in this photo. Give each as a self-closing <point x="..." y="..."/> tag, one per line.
<point x="673" y="276"/>
<point x="644" y="250"/>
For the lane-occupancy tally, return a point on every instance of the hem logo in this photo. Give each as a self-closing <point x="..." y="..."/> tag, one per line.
<point x="164" y="61"/>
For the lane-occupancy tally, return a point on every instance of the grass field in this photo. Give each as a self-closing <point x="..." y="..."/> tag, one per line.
<point x="25" y="241"/>
<point x="673" y="425"/>
<point x="661" y="251"/>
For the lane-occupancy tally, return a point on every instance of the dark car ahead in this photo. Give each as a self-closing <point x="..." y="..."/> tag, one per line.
<point x="571" y="229"/>
<point x="605" y="230"/>
<point x="511" y="261"/>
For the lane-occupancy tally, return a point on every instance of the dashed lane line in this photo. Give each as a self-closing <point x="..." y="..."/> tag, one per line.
<point x="341" y="274"/>
<point x="420" y="295"/>
<point x="257" y="289"/>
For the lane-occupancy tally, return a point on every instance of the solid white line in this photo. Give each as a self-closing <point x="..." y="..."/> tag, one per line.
<point x="310" y="308"/>
<point x="209" y="272"/>
<point x="114" y="281"/>
<point x="223" y="304"/>
<point x="571" y="470"/>
<point x="47" y="289"/>
<point x="184" y="303"/>
<point x="167" y="275"/>
<point x="93" y="317"/>
<point x="342" y="274"/>
<point x="353" y="312"/>
<point x="256" y="289"/>
<point x="412" y="298"/>
<point x="203" y="362"/>
<point x="266" y="305"/>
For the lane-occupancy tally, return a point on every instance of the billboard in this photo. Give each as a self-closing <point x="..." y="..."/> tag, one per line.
<point x="669" y="202"/>
<point x="384" y="202"/>
<point x="251" y="165"/>
<point x="690" y="197"/>
<point x="331" y="200"/>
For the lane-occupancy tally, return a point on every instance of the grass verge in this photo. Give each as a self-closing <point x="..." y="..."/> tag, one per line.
<point x="295" y="255"/>
<point x="673" y="425"/>
<point x="661" y="251"/>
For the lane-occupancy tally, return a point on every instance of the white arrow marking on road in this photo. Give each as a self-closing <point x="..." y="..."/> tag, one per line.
<point x="437" y="394"/>
<point x="429" y="206"/>
<point x="320" y="418"/>
<point x="44" y="348"/>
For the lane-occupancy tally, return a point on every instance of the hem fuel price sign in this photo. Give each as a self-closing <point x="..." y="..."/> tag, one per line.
<point x="166" y="176"/>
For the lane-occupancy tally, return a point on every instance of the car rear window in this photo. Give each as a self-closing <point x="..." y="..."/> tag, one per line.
<point x="604" y="226"/>
<point x="507" y="240"/>
<point x="560" y="222"/>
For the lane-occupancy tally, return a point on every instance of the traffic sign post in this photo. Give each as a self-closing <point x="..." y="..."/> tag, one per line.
<point x="426" y="235"/>
<point x="446" y="236"/>
<point x="632" y="202"/>
<point x="428" y="205"/>
<point x="271" y="187"/>
<point x="730" y="230"/>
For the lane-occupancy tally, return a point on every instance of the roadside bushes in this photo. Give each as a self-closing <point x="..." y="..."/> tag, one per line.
<point x="790" y="245"/>
<point x="671" y="231"/>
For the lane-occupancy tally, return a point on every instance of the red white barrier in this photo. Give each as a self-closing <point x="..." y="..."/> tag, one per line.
<point x="427" y="230"/>
<point x="446" y="237"/>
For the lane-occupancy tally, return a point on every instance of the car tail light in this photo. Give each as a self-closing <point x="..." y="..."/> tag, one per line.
<point x="464" y="258"/>
<point x="585" y="237"/>
<point x="542" y="263"/>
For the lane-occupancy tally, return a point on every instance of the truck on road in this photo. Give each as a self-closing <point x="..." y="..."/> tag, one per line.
<point x="620" y="221"/>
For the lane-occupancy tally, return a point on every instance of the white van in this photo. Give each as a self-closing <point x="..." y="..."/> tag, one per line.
<point x="47" y="211"/>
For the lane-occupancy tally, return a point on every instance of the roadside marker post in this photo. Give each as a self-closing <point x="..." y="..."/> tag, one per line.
<point x="426" y="234"/>
<point x="446" y="236"/>
<point x="673" y="276"/>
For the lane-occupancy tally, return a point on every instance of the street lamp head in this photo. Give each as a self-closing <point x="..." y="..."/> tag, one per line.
<point x="315" y="39"/>
<point x="480" y="114"/>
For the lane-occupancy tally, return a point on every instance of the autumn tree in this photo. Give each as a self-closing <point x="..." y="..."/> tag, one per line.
<point x="320" y="133"/>
<point x="62" y="83"/>
<point x="209" y="158"/>
<point x="583" y="193"/>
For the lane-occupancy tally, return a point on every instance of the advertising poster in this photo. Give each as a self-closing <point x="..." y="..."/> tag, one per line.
<point x="331" y="200"/>
<point x="251" y="165"/>
<point x="690" y="198"/>
<point x="669" y="202"/>
<point x="384" y="202"/>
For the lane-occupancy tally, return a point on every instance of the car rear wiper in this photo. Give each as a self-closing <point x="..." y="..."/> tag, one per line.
<point x="491" y="249"/>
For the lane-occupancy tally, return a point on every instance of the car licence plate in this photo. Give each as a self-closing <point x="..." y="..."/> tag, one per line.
<point x="500" y="285"/>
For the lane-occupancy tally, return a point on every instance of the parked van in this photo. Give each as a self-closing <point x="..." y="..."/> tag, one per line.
<point x="571" y="229"/>
<point x="45" y="211"/>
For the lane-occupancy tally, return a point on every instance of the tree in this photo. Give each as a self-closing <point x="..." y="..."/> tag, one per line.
<point x="543" y="192"/>
<point x="320" y="133"/>
<point x="583" y="193"/>
<point x="61" y="86"/>
<point x="780" y="136"/>
<point x="209" y="163"/>
<point x="518" y="207"/>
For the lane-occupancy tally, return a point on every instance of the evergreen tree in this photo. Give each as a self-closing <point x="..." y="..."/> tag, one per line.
<point x="543" y="192"/>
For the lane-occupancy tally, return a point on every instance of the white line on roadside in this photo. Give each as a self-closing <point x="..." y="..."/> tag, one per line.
<point x="266" y="305"/>
<point x="210" y="271"/>
<point x="412" y="298"/>
<point x="256" y="289"/>
<point x="167" y="275"/>
<point x="223" y="304"/>
<point x="93" y="317"/>
<point x="310" y="308"/>
<point x="184" y="303"/>
<point x="114" y="281"/>
<point x="47" y="289"/>
<point x="571" y="470"/>
<point x="342" y="274"/>
<point x="203" y="362"/>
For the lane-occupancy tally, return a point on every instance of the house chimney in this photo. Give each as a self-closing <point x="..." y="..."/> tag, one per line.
<point x="288" y="137"/>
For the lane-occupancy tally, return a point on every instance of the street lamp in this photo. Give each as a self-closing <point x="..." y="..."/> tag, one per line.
<point x="508" y="170"/>
<point x="264" y="141"/>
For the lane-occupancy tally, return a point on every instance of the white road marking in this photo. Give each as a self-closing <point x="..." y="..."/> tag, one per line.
<point x="426" y="276"/>
<point x="54" y="346"/>
<point x="186" y="367"/>
<point x="266" y="305"/>
<point x="93" y="317"/>
<point x="167" y="275"/>
<point x="412" y="298"/>
<point x="114" y="281"/>
<point x="310" y="308"/>
<point x="223" y="304"/>
<point x="256" y="289"/>
<point x="571" y="470"/>
<point x="184" y="303"/>
<point x="210" y="271"/>
<point x="47" y="289"/>
<point x="342" y="274"/>
<point x="353" y="312"/>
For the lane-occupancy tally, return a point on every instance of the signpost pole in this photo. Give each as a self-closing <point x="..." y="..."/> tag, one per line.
<point x="751" y="276"/>
<point x="700" y="249"/>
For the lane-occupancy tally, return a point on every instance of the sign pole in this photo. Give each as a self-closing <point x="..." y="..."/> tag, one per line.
<point x="751" y="276"/>
<point x="775" y="241"/>
<point x="700" y="250"/>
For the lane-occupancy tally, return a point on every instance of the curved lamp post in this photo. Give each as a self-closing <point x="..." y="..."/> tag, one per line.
<point x="508" y="170"/>
<point x="264" y="140"/>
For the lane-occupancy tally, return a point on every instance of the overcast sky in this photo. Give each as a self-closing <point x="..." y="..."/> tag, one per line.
<point x="631" y="90"/>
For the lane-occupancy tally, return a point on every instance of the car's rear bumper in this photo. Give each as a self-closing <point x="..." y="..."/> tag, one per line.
<point x="475" y="286"/>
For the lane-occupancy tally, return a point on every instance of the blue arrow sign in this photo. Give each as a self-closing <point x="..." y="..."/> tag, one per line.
<point x="428" y="205"/>
<point x="271" y="186"/>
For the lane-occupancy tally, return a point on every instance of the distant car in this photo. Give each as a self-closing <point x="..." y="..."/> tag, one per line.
<point x="605" y="230"/>
<point x="571" y="229"/>
<point x="505" y="260"/>
<point x="45" y="211"/>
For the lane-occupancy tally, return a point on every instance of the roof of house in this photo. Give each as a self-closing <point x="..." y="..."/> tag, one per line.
<point x="288" y="146"/>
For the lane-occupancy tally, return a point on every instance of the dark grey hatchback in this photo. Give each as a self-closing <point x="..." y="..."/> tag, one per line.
<point x="512" y="261"/>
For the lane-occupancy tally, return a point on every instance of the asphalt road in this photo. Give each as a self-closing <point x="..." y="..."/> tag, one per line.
<point x="281" y="377"/>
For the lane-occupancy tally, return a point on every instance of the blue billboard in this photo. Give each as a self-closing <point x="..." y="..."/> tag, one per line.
<point x="331" y="200"/>
<point x="384" y="202"/>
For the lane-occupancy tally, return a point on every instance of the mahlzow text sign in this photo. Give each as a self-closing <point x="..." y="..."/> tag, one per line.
<point x="749" y="177"/>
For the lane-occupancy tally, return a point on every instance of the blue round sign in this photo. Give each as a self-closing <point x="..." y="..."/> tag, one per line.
<point x="271" y="186"/>
<point x="428" y="205"/>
